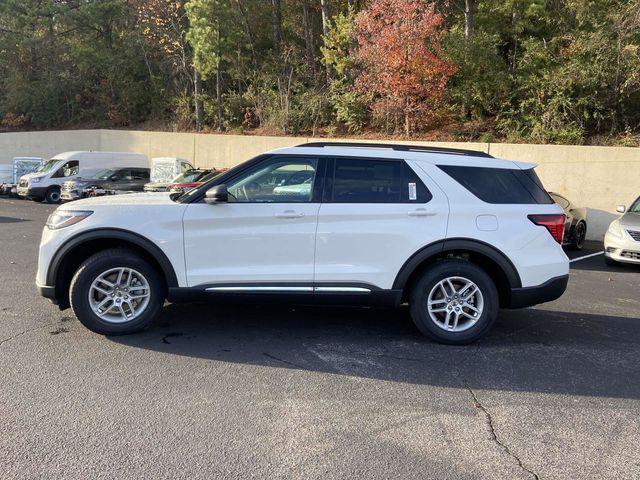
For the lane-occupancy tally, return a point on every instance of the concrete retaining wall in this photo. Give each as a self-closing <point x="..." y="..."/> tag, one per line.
<point x="596" y="177"/>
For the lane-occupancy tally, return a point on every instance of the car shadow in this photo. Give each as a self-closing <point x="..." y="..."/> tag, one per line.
<point x="530" y="350"/>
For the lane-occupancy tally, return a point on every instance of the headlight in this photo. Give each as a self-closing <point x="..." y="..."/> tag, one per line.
<point x="615" y="229"/>
<point x="65" y="218"/>
<point x="34" y="180"/>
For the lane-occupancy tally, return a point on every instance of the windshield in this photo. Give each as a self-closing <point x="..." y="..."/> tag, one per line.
<point x="47" y="166"/>
<point x="104" y="174"/>
<point x="189" y="176"/>
<point x="635" y="207"/>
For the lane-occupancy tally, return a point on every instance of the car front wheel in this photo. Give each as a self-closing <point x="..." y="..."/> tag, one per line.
<point x="116" y="292"/>
<point x="52" y="195"/>
<point x="454" y="302"/>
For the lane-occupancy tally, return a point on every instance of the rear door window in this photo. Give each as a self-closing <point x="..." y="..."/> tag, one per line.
<point x="500" y="185"/>
<point x="357" y="180"/>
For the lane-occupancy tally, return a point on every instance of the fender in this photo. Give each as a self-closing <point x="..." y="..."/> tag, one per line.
<point x="450" y="244"/>
<point x="114" y="234"/>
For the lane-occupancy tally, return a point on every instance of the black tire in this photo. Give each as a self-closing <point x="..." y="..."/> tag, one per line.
<point x="441" y="270"/>
<point x="99" y="263"/>
<point x="52" y="195"/>
<point x="578" y="236"/>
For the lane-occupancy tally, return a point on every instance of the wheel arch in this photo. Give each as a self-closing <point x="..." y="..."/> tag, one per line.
<point x="76" y="250"/>
<point x="492" y="260"/>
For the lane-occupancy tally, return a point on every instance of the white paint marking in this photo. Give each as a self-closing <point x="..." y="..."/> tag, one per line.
<point x="584" y="257"/>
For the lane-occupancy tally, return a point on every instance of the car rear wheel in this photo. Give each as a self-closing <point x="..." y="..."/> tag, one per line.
<point x="454" y="302"/>
<point x="52" y="195"/>
<point x="116" y="292"/>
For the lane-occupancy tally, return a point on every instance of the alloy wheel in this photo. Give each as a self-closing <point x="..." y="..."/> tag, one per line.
<point x="455" y="304"/>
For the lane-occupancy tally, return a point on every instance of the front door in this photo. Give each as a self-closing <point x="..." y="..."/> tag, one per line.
<point x="265" y="233"/>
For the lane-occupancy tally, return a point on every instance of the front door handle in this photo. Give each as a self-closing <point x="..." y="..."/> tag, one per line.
<point x="420" y="212"/>
<point x="289" y="214"/>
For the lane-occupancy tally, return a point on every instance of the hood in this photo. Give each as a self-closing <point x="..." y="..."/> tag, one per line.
<point x="29" y="176"/>
<point x="631" y="220"/>
<point x="128" y="199"/>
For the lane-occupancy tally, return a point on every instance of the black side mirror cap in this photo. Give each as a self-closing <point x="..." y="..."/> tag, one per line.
<point x="216" y="194"/>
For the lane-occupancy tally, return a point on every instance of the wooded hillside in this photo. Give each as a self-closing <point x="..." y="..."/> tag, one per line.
<point x="544" y="71"/>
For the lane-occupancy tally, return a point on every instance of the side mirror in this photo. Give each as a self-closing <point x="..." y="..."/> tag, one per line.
<point x="216" y="194"/>
<point x="621" y="209"/>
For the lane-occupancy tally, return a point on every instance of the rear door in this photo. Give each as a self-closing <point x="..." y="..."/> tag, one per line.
<point x="265" y="234"/>
<point x="375" y="214"/>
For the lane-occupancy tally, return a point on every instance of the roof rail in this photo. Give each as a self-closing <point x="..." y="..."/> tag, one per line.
<point x="400" y="148"/>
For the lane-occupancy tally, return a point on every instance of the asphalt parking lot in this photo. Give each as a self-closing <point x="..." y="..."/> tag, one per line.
<point x="229" y="391"/>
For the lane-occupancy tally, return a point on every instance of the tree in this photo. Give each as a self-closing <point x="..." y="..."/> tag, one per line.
<point x="212" y="37"/>
<point x="401" y="59"/>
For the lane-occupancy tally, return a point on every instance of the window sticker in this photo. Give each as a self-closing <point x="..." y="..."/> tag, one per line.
<point x="413" y="192"/>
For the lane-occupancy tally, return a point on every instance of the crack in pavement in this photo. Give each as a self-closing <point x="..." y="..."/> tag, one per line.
<point x="494" y="436"/>
<point x="13" y="337"/>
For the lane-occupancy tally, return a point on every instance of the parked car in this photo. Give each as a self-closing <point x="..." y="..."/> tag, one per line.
<point x="189" y="176"/>
<point x="46" y="182"/>
<point x="622" y="240"/>
<point x="164" y="170"/>
<point x="575" y="228"/>
<point x="456" y="234"/>
<point x="191" y="179"/>
<point x="108" y="181"/>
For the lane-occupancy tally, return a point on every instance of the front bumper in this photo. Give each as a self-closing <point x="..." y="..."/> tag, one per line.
<point x="37" y="193"/>
<point x="546" y="292"/>
<point x="622" y="249"/>
<point x="68" y="196"/>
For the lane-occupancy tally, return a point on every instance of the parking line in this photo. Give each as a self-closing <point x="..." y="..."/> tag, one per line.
<point x="586" y="256"/>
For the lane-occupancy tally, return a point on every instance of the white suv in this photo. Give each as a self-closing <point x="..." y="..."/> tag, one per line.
<point x="456" y="234"/>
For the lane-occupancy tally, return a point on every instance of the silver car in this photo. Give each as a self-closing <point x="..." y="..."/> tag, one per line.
<point x="622" y="240"/>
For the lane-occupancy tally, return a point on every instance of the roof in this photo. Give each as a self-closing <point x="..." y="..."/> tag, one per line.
<point x="73" y="154"/>
<point x="432" y="155"/>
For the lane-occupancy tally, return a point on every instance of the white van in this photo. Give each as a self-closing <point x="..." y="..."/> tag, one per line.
<point x="45" y="183"/>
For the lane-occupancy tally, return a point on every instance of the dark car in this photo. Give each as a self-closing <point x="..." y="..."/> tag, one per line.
<point x="112" y="180"/>
<point x="575" y="228"/>
<point x="186" y="183"/>
<point x="191" y="175"/>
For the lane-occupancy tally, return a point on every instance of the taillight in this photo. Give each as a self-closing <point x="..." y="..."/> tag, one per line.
<point x="553" y="222"/>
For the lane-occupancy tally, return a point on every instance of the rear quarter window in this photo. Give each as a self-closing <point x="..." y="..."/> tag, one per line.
<point x="500" y="185"/>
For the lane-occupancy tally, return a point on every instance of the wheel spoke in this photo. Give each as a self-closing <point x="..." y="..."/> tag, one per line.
<point x="470" y="294"/>
<point x="455" y="321"/>
<point x="106" y="282"/>
<point x="439" y="310"/>
<point x="453" y="289"/>
<point x="120" y="274"/>
<point x="102" y="304"/>
<point x="437" y="301"/>
<point x="102" y="290"/>
<point x="472" y="308"/>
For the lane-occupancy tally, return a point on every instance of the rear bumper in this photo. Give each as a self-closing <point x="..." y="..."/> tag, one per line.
<point x="545" y="292"/>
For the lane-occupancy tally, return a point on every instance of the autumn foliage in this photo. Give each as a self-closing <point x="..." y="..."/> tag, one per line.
<point x="401" y="61"/>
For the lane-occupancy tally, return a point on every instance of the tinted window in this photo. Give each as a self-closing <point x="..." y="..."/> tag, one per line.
<point x="500" y="185"/>
<point x="140" y="174"/>
<point x="376" y="181"/>
<point x="276" y="181"/>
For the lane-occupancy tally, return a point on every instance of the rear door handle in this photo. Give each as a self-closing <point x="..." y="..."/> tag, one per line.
<point x="421" y="212"/>
<point x="289" y="214"/>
